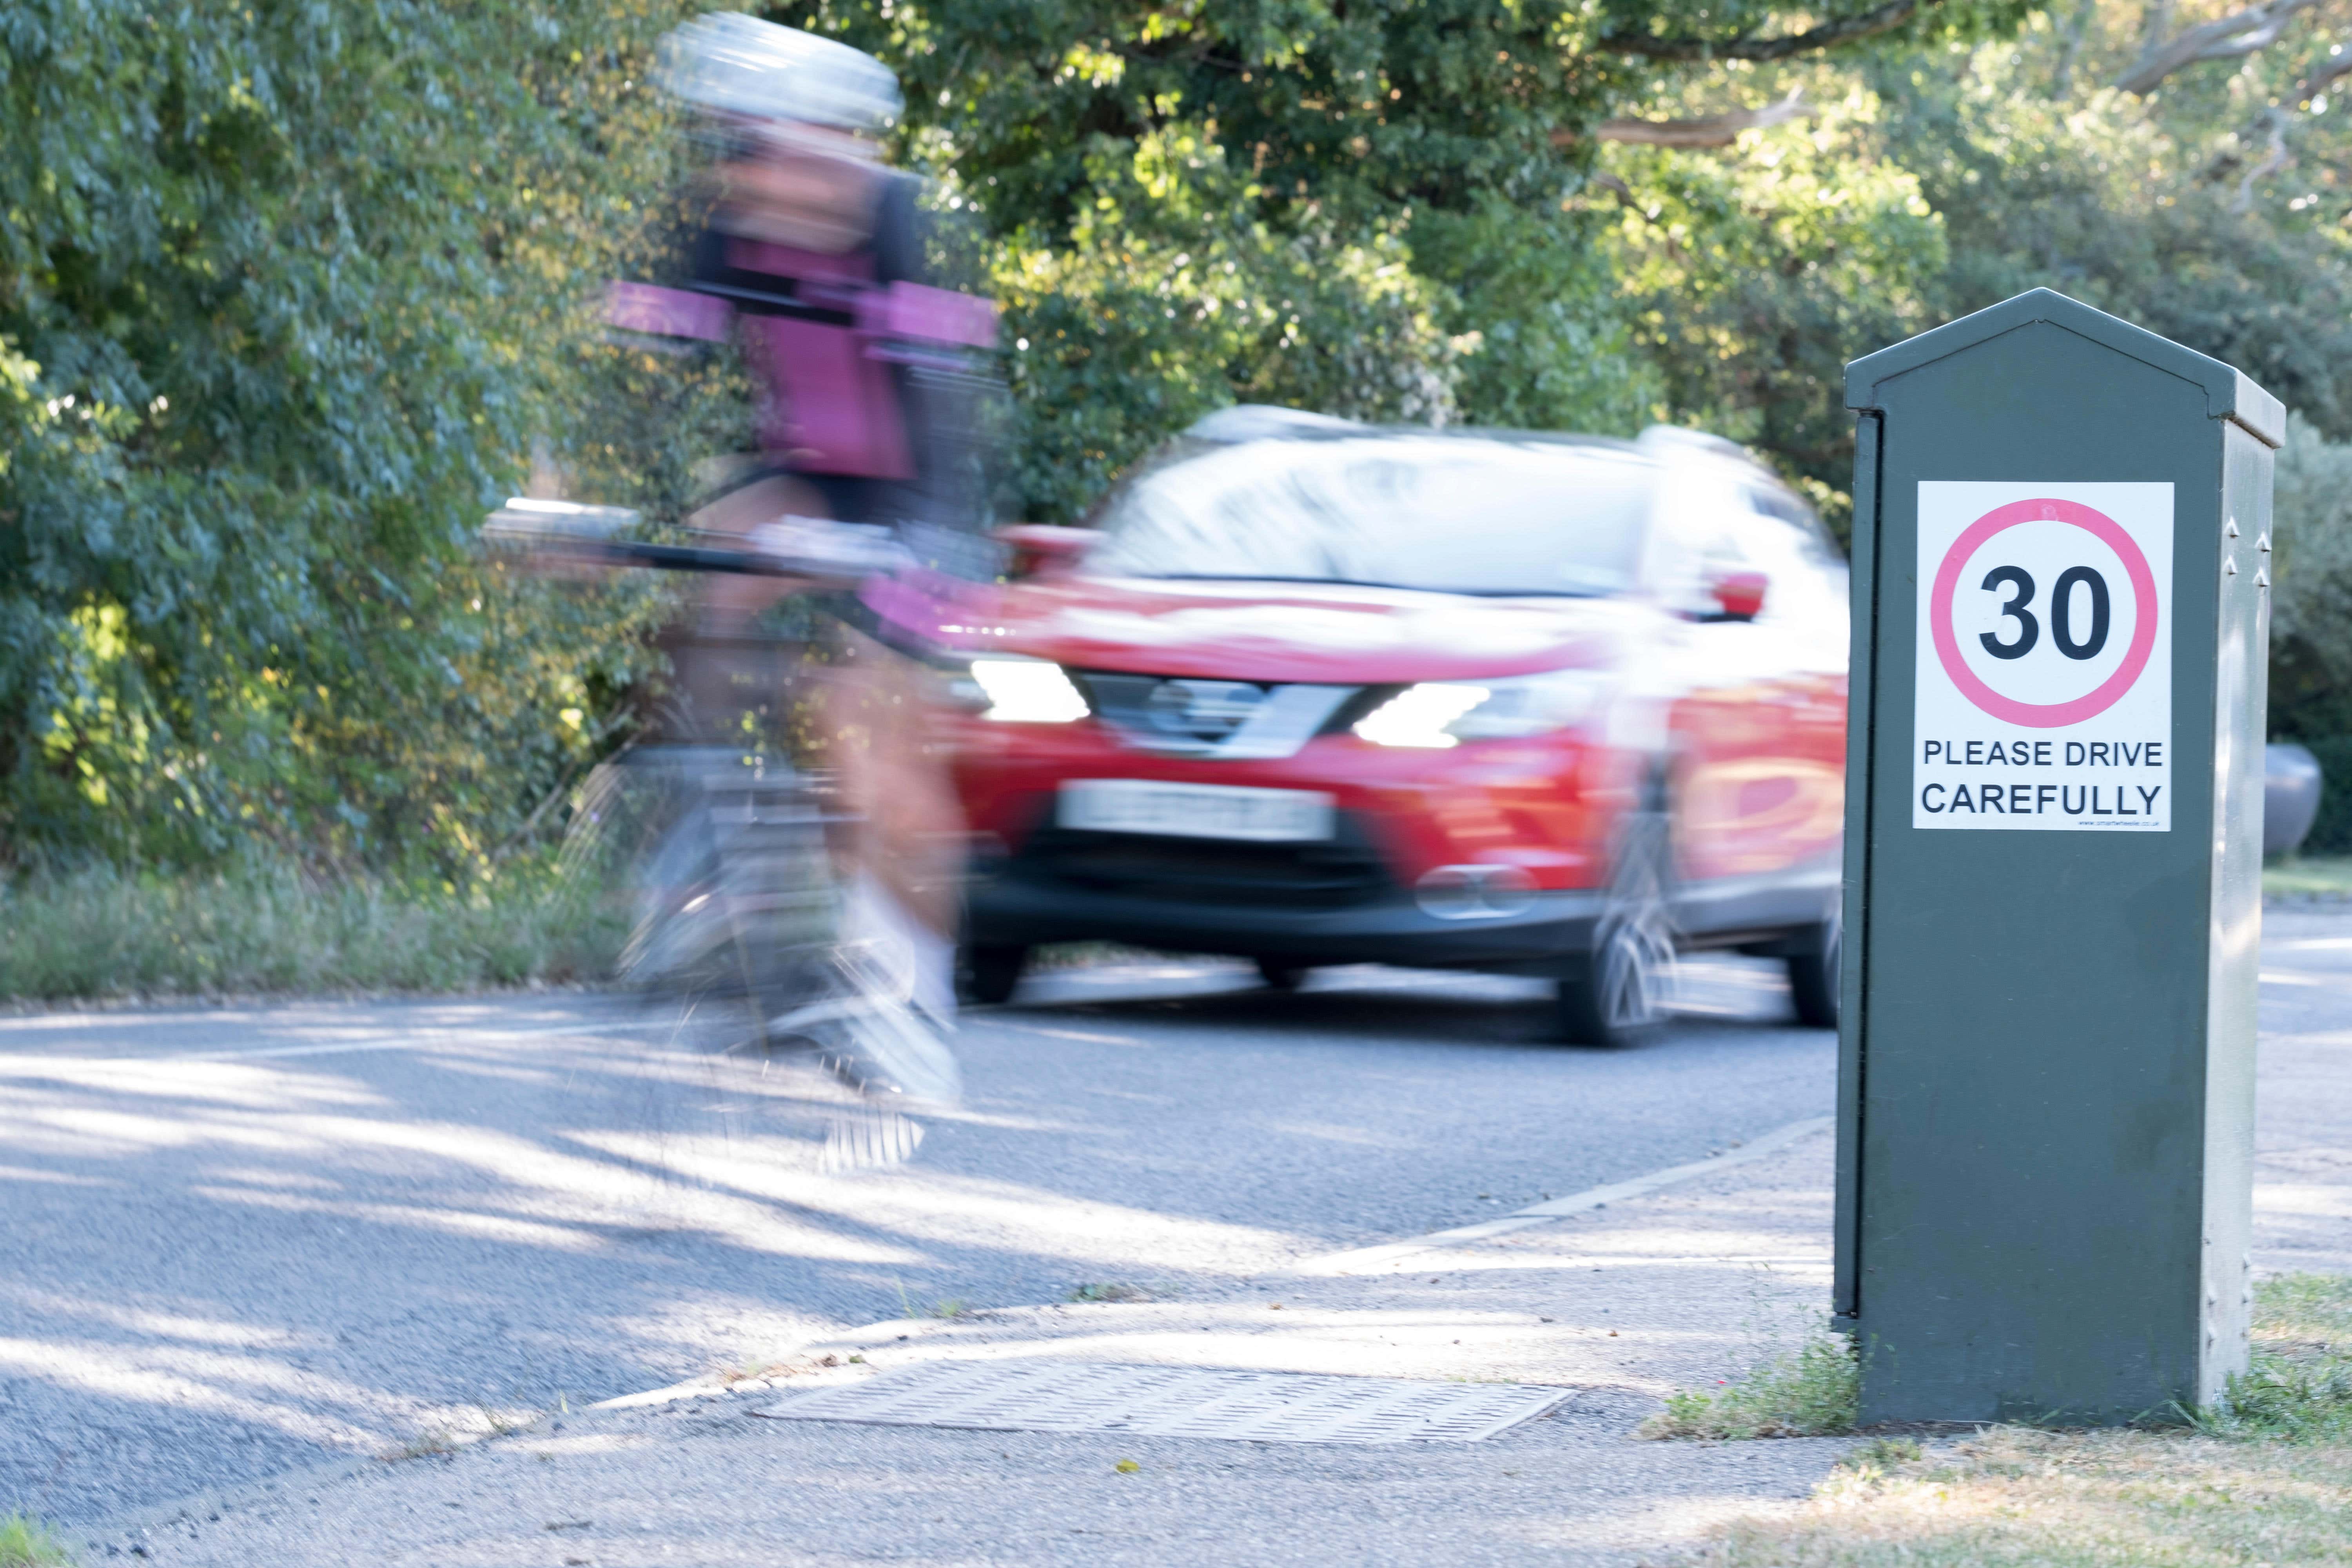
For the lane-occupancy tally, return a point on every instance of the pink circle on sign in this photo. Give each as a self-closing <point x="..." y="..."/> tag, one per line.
<point x="2044" y="715"/>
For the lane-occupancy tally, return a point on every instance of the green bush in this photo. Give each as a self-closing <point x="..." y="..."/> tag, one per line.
<point x="2311" y="610"/>
<point x="287" y="294"/>
<point x="2311" y="620"/>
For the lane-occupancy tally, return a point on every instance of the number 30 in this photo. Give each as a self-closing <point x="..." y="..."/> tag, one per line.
<point x="2061" y="616"/>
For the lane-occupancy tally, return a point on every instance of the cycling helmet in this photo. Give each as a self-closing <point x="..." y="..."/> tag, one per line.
<point x="732" y="64"/>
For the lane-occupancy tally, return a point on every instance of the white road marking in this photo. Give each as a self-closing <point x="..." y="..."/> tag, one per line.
<point x="1362" y="1258"/>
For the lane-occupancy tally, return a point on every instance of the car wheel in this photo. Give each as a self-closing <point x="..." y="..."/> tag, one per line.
<point x="993" y="974"/>
<point x="1282" y="977"/>
<point x="1614" y="994"/>
<point x="1813" y="978"/>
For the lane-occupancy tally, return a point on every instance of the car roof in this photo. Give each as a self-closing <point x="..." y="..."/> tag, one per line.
<point x="1242" y="423"/>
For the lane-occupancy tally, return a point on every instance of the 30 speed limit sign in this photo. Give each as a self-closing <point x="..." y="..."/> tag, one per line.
<point x="2044" y="675"/>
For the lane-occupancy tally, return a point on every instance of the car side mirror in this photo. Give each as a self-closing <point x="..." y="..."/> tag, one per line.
<point x="1045" y="550"/>
<point x="1739" y="595"/>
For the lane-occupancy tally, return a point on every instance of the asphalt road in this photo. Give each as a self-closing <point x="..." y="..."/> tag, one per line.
<point x="243" y="1239"/>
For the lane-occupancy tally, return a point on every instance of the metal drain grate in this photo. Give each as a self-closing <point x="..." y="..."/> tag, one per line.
<point x="1175" y="1401"/>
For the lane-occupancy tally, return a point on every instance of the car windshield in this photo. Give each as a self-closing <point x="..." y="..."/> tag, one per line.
<point x="1454" y="515"/>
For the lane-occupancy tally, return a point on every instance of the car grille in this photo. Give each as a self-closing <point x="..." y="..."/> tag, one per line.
<point x="1333" y="873"/>
<point x="1185" y="714"/>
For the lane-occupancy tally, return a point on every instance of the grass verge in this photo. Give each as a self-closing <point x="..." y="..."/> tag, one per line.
<point x="2262" y="1480"/>
<point x="1111" y="1293"/>
<point x="439" y="1442"/>
<point x="2016" y="1498"/>
<point x="1056" y="955"/>
<point x="2302" y="877"/>
<point x="105" y="933"/>
<point x="24" y="1544"/>
<point x="1814" y="1393"/>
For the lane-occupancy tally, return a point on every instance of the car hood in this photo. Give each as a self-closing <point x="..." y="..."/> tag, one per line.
<point x="1301" y="632"/>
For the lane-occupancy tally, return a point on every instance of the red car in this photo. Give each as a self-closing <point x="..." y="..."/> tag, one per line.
<point x="1311" y="692"/>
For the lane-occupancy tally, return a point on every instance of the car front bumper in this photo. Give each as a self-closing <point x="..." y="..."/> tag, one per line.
<point x="1010" y="911"/>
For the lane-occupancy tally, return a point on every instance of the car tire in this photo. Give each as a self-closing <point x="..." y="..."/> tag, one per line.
<point x="1813" y="978"/>
<point x="993" y="974"/>
<point x="1283" y="976"/>
<point x="1614" y="994"/>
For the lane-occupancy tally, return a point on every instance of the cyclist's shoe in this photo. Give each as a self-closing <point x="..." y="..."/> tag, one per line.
<point x="896" y="1055"/>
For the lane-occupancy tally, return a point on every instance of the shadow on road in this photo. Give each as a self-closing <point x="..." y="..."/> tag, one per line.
<point x="243" y="1240"/>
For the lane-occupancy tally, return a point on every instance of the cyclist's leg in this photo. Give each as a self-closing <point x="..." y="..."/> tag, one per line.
<point x="894" y="780"/>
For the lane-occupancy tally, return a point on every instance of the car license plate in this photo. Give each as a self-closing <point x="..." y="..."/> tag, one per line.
<point x="1195" y="811"/>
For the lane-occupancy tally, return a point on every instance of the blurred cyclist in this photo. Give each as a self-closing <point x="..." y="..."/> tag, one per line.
<point x="862" y="504"/>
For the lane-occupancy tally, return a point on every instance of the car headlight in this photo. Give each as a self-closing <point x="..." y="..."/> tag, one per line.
<point x="1440" y="714"/>
<point x="1024" y="692"/>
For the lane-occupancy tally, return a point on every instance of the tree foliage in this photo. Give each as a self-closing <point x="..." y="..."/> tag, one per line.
<point x="1377" y="209"/>
<point x="2142" y="207"/>
<point x="286" y="292"/>
<point x="1754" y="276"/>
<point x="2311" y="607"/>
<point x="1930" y="180"/>
<point x="290" y="293"/>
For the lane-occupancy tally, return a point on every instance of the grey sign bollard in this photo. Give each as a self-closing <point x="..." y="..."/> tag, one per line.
<point x="2054" y="861"/>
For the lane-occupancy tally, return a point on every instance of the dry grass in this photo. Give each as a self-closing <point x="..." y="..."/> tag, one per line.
<point x="2262" y="1480"/>
<point x="2052" y="1499"/>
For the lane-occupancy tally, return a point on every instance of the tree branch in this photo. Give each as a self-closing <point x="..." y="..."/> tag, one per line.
<point x="2240" y="32"/>
<point x="1713" y="131"/>
<point x="2274" y="123"/>
<point x="2326" y="77"/>
<point x="2271" y="127"/>
<point x="1884" y="19"/>
<point x="1623" y="194"/>
<point x="2245" y="44"/>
